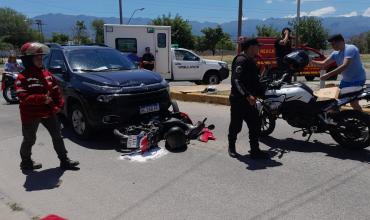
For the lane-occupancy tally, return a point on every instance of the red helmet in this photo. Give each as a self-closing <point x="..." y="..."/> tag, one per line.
<point x="34" y="48"/>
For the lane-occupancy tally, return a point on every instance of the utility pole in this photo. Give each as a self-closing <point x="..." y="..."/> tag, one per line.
<point x="297" y="28"/>
<point x="39" y="24"/>
<point x="298" y="22"/>
<point x="240" y="18"/>
<point x="120" y="12"/>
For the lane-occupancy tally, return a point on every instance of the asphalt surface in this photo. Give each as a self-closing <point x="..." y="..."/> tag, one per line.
<point x="303" y="180"/>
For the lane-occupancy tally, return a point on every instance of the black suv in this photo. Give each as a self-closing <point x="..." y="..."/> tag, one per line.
<point x="102" y="88"/>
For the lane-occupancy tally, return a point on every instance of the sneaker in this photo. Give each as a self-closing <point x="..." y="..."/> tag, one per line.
<point x="259" y="155"/>
<point x="68" y="164"/>
<point x="30" y="165"/>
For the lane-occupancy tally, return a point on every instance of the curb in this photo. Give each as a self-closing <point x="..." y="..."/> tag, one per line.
<point x="202" y="98"/>
<point x="220" y="99"/>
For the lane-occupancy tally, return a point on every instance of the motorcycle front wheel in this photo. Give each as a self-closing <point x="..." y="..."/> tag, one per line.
<point x="268" y="123"/>
<point x="352" y="130"/>
<point x="9" y="94"/>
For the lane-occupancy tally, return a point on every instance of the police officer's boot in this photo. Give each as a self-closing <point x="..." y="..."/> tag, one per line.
<point x="232" y="151"/>
<point x="28" y="164"/>
<point x="68" y="164"/>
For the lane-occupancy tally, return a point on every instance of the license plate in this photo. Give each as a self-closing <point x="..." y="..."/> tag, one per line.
<point x="132" y="142"/>
<point x="149" y="108"/>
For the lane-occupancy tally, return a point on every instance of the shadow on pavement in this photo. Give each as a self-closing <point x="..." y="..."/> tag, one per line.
<point x="284" y="146"/>
<point x="259" y="164"/>
<point x="102" y="140"/>
<point x="43" y="180"/>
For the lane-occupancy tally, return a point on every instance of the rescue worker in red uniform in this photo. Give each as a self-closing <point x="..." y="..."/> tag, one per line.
<point x="40" y="101"/>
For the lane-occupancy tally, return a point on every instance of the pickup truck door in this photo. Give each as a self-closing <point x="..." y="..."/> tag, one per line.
<point x="186" y="66"/>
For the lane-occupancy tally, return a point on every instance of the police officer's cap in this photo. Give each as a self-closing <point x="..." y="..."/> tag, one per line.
<point x="336" y="37"/>
<point x="246" y="43"/>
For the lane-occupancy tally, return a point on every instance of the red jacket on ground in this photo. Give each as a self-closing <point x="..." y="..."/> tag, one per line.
<point x="33" y="86"/>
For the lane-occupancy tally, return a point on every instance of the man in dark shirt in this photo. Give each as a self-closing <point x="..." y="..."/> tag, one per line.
<point x="283" y="46"/>
<point x="245" y="88"/>
<point x="148" y="60"/>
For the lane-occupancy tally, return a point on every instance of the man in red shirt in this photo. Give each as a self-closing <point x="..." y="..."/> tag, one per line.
<point x="40" y="101"/>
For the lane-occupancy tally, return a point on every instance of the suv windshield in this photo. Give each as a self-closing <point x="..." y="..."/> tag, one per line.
<point x="98" y="60"/>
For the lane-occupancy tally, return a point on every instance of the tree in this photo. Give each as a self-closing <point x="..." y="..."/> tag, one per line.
<point x="80" y="35"/>
<point x="15" y="29"/>
<point x="180" y="30"/>
<point x="362" y="41"/>
<point x="98" y="26"/>
<point x="225" y="43"/>
<point x="59" y="38"/>
<point x="212" y="36"/>
<point x="267" y="31"/>
<point x="311" y="32"/>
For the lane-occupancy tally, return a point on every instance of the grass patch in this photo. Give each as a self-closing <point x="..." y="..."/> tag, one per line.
<point x="366" y="60"/>
<point x="227" y="58"/>
<point x="15" y="207"/>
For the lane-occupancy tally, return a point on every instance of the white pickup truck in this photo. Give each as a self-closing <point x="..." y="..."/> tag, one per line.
<point x="174" y="64"/>
<point x="188" y="66"/>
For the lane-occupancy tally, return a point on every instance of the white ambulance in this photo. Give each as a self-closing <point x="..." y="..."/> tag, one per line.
<point x="175" y="64"/>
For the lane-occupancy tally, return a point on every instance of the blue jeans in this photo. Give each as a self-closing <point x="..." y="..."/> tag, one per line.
<point x="344" y="84"/>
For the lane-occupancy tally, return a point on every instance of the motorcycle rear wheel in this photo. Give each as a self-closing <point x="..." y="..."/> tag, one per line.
<point x="9" y="94"/>
<point x="352" y="130"/>
<point x="268" y="123"/>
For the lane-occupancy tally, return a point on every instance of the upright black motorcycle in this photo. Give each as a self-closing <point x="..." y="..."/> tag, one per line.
<point x="299" y="107"/>
<point x="8" y="87"/>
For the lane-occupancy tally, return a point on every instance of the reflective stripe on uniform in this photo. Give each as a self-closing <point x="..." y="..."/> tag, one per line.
<point x="35" y="85"/>
<point x="55" y="87"/>
<point x="30" y="79"/>
<point x="20" y="91"/>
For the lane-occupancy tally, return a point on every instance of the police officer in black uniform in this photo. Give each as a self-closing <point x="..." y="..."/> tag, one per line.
<point x="245" y="88"/>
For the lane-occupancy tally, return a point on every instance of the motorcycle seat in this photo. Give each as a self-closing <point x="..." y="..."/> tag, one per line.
<point x="350" y="91"/>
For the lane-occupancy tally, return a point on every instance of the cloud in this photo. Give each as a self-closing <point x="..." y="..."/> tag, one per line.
<point x="269" y="1"/>
<point x="351" y="14"/>
<point x="318" y="13"/>
<point x="303" y="1"/>
<point x="367" y="12"/>
<point x="322" y="11"/>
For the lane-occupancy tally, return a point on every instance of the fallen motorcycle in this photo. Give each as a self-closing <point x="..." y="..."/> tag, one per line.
<point x="8" y="88"/>
<point x="297" y="105"/>
<point x="177" y="130"/>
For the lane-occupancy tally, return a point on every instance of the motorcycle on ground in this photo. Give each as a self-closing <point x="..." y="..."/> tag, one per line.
<point x="8" y="88"/>
<point x="299" y="107"/>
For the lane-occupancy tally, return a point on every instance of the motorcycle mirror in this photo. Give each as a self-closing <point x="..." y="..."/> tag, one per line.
<point x="211" y="127"/>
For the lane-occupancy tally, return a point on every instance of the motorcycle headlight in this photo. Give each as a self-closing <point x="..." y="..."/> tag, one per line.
<point x="110" y="89"/>
<point x="223" y="65"/>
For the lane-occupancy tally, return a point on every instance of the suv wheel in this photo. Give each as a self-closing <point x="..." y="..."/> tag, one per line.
<point x="78" y="121"/>
<point x="212" y="79"/>
<point x="309" y="78"/>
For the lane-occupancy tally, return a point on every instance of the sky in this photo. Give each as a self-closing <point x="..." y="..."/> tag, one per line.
<point x="195" y="10"/>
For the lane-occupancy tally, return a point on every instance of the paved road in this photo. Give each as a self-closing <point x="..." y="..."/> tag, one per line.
<point x="315" y="180"/>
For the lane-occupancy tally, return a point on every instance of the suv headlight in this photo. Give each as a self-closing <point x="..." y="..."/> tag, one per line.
<point x="223" y="65"/>
<point x="110" y="89"/>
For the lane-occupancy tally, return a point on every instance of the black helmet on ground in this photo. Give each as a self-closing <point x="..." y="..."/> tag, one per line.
<point x="175" y="140"/>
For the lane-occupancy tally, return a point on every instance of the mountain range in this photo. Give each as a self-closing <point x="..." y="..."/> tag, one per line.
<point x="348" y="26"/>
